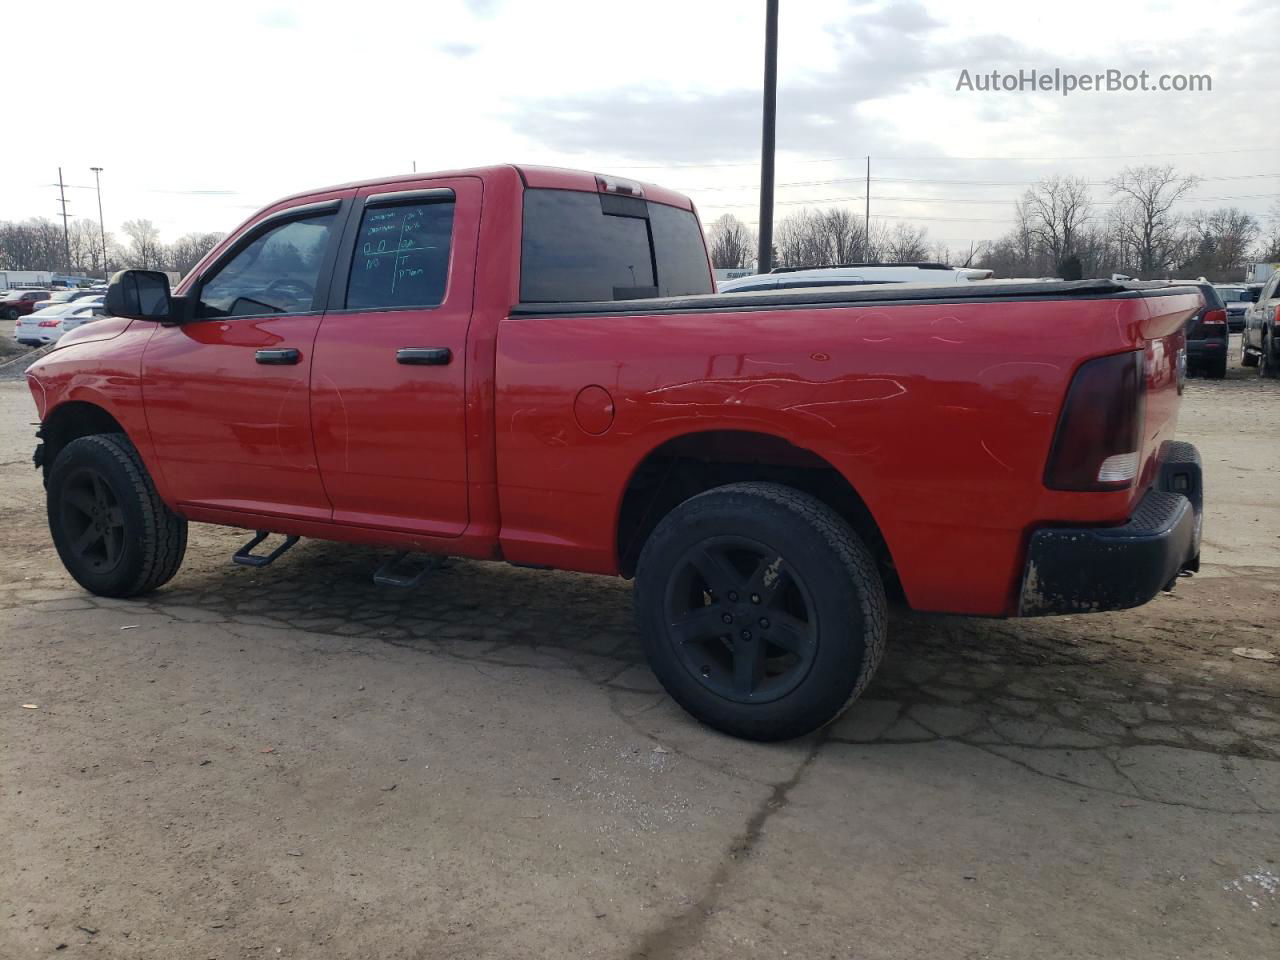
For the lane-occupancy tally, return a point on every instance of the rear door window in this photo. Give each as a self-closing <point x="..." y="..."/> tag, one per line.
<point x="579" y="246"/>
<point x="401" y="257"/>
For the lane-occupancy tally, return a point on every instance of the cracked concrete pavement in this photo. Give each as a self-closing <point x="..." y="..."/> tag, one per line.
<point x="293" y="762"/>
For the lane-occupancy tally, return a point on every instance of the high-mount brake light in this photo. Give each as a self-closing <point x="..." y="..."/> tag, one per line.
<point x="626" y="188"/>
<point x="1099" y="439"/>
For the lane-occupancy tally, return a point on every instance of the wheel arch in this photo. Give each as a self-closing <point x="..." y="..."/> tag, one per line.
<point x="72" y="420"/>
<point x="691" y="463"/>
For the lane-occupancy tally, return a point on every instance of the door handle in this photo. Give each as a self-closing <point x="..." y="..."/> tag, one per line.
<point x="424" y="356"/>
<point x="278" y="357"/>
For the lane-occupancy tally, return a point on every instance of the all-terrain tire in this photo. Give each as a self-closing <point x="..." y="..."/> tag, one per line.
<point x="112" y="531"/>
<point x="825" y="583"/>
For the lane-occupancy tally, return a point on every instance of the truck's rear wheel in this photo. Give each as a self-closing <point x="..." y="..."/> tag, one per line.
<point x="1268" y="362"/>
<point x="761" y="611"/>
<point x="1247" y="359"/>
<point x="112" y="531"/>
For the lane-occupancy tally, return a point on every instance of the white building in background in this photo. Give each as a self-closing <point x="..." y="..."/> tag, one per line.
<point x="25" y="279"/>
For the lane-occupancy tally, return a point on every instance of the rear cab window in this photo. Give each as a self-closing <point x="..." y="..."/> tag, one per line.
<point x="578" y="246"/>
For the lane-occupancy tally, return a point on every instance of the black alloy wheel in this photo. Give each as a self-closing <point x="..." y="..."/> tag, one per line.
<point x="92" y="520"/>
<point x="741" y="620"/>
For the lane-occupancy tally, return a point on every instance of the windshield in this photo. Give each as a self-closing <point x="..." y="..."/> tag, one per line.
<point x="1231" y="294"/>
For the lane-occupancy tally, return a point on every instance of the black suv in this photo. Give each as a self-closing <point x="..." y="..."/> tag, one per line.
<point x="1207" y="335"/>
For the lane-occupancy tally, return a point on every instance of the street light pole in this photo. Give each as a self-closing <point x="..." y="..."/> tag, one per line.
<point x="764" y="261"/>
<point x="102" y="227"/>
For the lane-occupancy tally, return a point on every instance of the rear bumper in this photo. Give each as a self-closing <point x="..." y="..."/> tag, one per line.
<point x="1090" y="569"/>
<point x="1199" y="351"/>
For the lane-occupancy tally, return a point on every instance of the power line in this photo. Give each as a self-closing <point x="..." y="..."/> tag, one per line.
<point x="945" y="200"/>
<point x="955" y="182"/>
<point x="939" y="158"/>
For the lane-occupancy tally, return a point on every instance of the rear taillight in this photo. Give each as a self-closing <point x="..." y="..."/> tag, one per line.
<point x="1213" y="318"/>
<point x="1099" y="438"/>
<point x="48" y="323"/>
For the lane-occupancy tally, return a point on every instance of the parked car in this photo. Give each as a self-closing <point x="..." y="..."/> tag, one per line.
<point x="1208" y="336"/>
<point x="48" y="325"/>
<point x="71" y="296"/>
<point x="854" y="274"/>
<point x="1260" y="342"/>
<point x="769" y="467"/>
<point x="1235" y="298"/>
<point x="19" y="303"/>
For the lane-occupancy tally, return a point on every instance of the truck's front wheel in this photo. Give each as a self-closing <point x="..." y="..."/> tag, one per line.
<point x="112" y="531"/>
<point x="761" y="611"/>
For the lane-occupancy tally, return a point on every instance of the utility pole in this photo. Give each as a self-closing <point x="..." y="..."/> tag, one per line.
<point x="102" y="227"/>
<point x="866" y="239"/>
<point x="66" y="235"/>
<point x="765" y="259"/>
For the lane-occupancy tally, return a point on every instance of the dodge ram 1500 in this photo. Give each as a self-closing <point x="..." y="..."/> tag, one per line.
<point x="530" y="365"/>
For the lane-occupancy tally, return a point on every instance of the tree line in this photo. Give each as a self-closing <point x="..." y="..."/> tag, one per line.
<point x="39" y="244"/>
<point x="1060" y="229"/>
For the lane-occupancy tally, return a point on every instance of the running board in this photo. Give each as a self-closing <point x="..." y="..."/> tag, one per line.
<point x="396" y="573"/>
<point x="247" y="558"/>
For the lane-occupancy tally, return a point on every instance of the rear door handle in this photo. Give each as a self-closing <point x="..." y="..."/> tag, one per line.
<point x="278" y="357"/>
<point x="424" y="356"/>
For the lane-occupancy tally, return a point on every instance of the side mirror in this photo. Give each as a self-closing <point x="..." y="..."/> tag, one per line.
<point x="139" y="295"/>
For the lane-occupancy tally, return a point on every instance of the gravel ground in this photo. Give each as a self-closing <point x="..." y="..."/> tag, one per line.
<point x="294" y="762"/>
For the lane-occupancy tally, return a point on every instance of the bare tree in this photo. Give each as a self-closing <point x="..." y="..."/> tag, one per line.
<point x="189" y="249"/>
<point x="1143" y="221"/>
<point x="1054" y="212"/>
<point x="823" y="238"/>
<point x="32" y="245"/>
<point x="730" y="242"/>
<point x="144" y="239"/>
<point x="1269" y="247"/>
<point x="975" y="251"/>
<point x="1218" y="243"/>
<point x="906" y="243"/>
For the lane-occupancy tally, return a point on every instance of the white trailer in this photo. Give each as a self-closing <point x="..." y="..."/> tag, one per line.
<point x="1260" y="272"/>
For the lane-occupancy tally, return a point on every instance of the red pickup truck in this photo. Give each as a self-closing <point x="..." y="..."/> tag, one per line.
<point x="530" y="365"/>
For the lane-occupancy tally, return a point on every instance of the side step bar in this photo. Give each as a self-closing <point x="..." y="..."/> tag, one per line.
<point x="247" y="558"/>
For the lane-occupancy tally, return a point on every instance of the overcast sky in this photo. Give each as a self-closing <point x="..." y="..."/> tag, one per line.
<point x="201" y="113"/>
